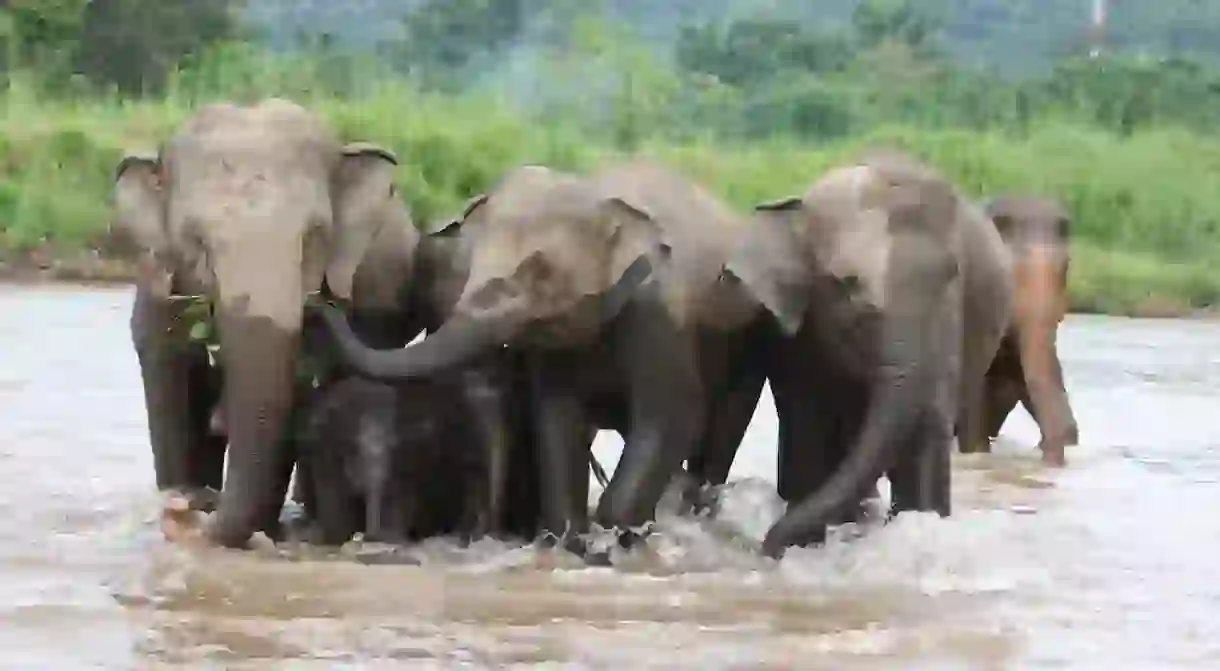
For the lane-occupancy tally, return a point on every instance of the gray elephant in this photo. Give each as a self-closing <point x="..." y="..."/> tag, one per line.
<point x="396" y="462"/>
<point x="608" y="287"/>
<point x="889" y="294"/>
<point x="492" y="385"/>
<point x="1026" y="367"/>
<point x="255" y="208"/>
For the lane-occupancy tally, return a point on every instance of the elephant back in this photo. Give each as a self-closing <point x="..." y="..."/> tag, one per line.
<point x="701" y="230"/>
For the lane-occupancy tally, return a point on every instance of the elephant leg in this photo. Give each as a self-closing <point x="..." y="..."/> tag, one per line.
<point x="816" y="429"/>
<point x="166" y="362"/>
<point x="207" y="457"/>
<point x="303" y="489"/>
<point x="522" y="514"/>
<point x="727" y="421"/>
<point x="1003" y="393"/>
<point x="397" y="509"/>
<point x="920" y="480"/>
<point x="666" y="412"/>
<point x="973" y="400"/>
<point x="820" y="410"/>
<point x="473" y="524"/>
<point x="486" y="400"/>
<point x="560" y="420"/>
<point x="284" y="460"/>
<point x="404" y="517"/>
<point x="340" y="513"/>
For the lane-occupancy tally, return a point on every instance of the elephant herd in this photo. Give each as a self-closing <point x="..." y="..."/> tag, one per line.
<point x="888" y="313"/>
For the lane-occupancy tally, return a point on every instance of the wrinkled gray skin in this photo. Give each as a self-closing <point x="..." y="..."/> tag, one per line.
<point x="491" y="385"/>
<point x="608" y="287"/>
<point x="1036" y="232"/>
<point x="396" y="462"/>
<point x="890" y="293"/>
<point x="254" y="207"/>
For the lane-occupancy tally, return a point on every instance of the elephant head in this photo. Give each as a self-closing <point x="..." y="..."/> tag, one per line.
<point x="865" y="264"/>
<point x="1038" y="232"/>
<point x="257" y="207"/>
<point x="551" y="258"/>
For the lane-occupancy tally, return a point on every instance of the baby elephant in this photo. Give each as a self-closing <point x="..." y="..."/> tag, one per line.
<point x="398" y="462"/>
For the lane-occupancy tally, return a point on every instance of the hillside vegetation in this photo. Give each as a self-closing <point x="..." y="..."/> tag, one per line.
<point x="755" y="103"/>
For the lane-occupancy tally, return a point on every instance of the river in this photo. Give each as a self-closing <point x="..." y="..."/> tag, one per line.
<point x="1112" y="563"/>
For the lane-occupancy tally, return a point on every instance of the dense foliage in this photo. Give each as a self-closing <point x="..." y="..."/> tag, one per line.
<point x="755" y="97"/>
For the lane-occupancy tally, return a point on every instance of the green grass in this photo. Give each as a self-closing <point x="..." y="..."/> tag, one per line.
<point x="1147" y="207"/>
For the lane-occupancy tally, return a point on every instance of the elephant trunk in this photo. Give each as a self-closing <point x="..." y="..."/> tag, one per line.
<point x="456" y="342"/>
<point x="1041" y="288"/>
<point x="259" y="358"/>
<point x="896" y="403"/>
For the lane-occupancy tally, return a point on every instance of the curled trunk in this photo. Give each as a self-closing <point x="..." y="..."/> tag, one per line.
<point x="456" y="342"/>
<point x="896" y="403"/>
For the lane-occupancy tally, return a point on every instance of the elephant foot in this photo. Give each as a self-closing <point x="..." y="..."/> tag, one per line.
<point x="630" y="540"/>
<point x="772" y="548"/>
<point x="395" y="556"/>
<point x="579" y="547"/>
<point x="181" y="521"/>
<point x="202" y="499"/>
<point x="698" y="498"/>
<point x="598" y="559"/>
<point x="1053" y="456"/>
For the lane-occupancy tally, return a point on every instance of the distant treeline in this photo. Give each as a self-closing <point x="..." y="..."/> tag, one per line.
<point x="754" y="104"/>
<point x="837" y="70"/>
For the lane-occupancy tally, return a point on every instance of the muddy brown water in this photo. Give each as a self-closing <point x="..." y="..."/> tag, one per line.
<point x="1112" y="563"/>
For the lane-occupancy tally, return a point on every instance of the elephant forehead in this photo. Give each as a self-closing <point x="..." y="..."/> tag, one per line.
<point x="560" y="242"/>
<point x="224" y="183"/>
<point x="862" y="251"/>
<point x="847" y="230"/>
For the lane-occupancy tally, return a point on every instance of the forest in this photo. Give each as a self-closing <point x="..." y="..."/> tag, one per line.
<point x="754" y="97"/>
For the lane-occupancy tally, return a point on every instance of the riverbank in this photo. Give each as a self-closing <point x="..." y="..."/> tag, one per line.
<point x="1146" y="230"/>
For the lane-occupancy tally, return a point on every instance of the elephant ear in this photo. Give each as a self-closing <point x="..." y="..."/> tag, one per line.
<point x="453" y="227"/>
<point x="1001" y="216"/>
<point x="1062" y="222"/>
<point x="138" y="227"/>
<point x="450" y="229"/>
<point x="387" y="267"/>
<point x="638" y="247"/>
<point x="367" y="212"/>
<point x="472" y="206"/>
<point x="771" y="264"/>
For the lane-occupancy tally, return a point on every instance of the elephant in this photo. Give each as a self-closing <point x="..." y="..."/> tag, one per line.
<point x="1026" y="368"/>
<point x="492" y="386"/>
<point x="255" y="208"/>
<point x="887" y="293"/>
<point x="396" y="462"/>
<point x="607" y="284"/>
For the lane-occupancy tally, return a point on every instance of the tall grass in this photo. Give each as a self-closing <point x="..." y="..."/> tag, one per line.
<point x="1147" y="207"/>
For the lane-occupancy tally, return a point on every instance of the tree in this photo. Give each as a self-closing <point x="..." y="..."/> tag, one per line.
<point x="133" y="44"/>
<point x="40" y="33"/>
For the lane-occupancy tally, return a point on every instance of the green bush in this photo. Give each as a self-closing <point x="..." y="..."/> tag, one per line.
<point x="1146" y="207"/>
